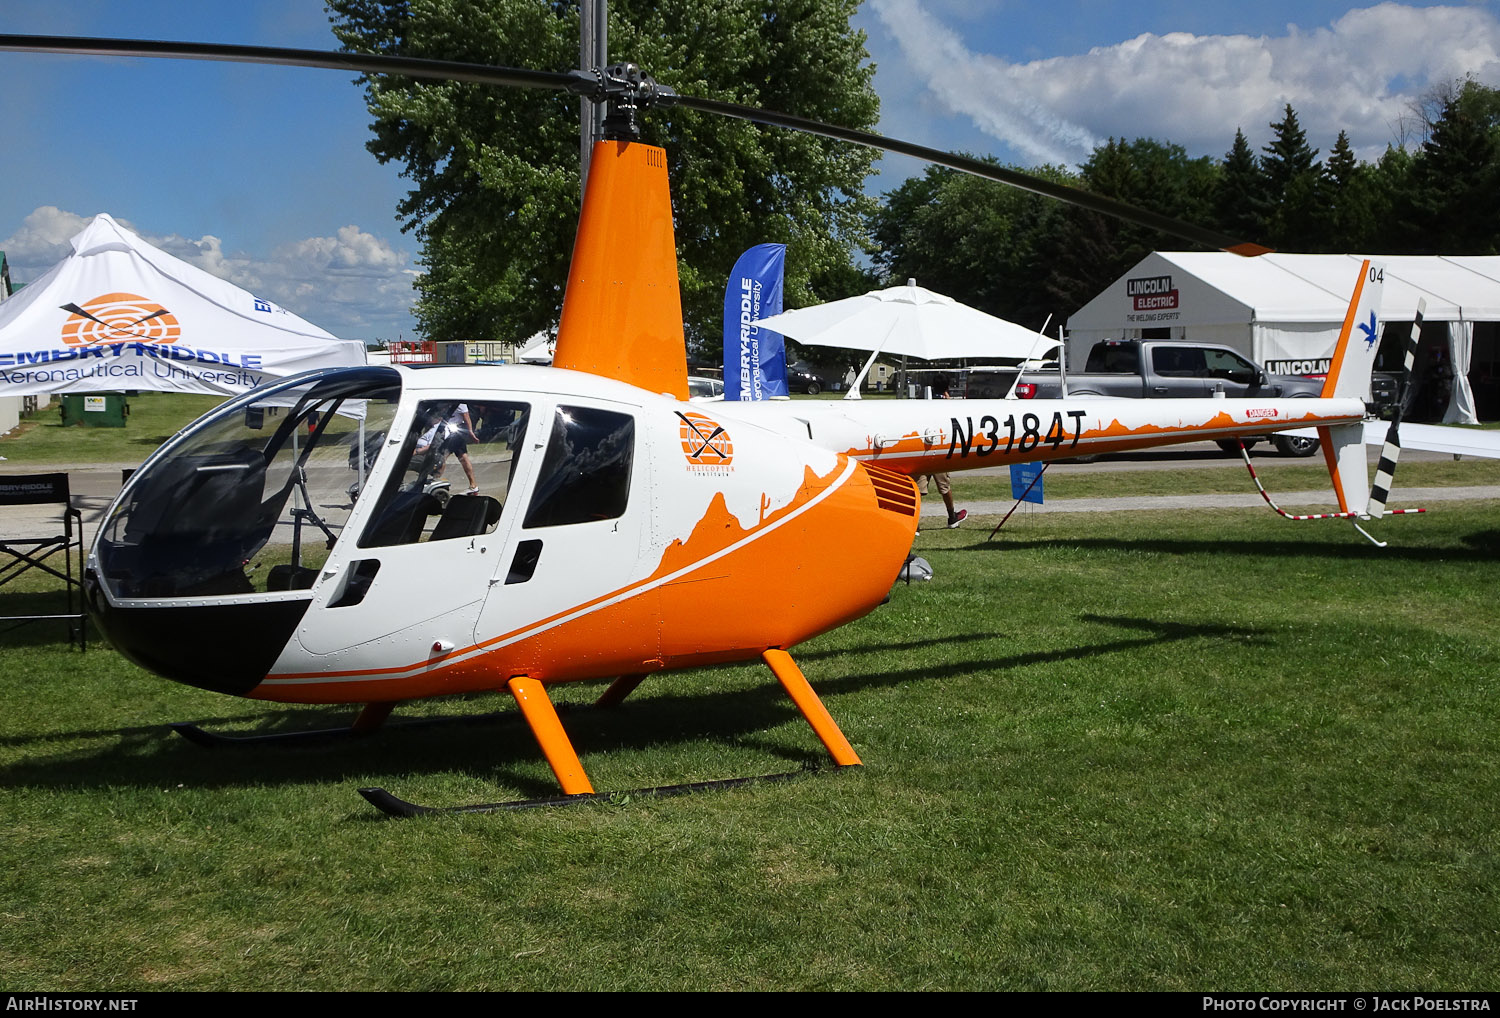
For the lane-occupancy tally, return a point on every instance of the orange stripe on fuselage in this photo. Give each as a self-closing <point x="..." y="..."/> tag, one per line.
<point x="913" y="456"/>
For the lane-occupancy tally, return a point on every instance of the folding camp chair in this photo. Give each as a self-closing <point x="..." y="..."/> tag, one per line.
<point x="20" y="554"/>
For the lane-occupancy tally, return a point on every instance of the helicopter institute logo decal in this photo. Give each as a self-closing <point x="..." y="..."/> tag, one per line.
<point x="706" y="445"/>
<point x="119" y="318"/>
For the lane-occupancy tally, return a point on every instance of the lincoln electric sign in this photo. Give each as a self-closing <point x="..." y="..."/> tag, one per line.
<point x="1152" y="298"/>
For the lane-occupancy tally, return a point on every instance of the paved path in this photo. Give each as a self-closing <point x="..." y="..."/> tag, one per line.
<point x="1406" y="498"/>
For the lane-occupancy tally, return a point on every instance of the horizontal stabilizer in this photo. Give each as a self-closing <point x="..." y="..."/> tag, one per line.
<point x="1458" y="441"/>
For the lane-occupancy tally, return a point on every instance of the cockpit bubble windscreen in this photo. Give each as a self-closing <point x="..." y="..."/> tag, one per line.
<point x="250" y="499"/>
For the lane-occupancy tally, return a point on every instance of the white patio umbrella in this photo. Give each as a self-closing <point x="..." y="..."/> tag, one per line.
<point x="909" y="321"/>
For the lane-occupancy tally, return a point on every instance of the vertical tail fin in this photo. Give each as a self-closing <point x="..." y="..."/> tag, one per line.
<point x="1349" y="375"/>
<point x="1354" y="356"/>
<point x="622" y="313"/>
<point x="1344" y="452"/>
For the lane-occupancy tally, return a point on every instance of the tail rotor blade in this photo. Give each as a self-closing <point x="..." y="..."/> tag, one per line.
<point x="1390" y="453"/>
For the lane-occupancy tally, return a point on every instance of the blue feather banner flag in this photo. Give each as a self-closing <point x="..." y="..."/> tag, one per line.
<point x="754" y="358"/>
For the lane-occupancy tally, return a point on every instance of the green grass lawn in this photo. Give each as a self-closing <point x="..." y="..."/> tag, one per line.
<point x="1134" y="751"/>
<point x="154" y="418"/>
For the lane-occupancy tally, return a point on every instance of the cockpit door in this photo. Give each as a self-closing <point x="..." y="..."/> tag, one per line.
<point x="409" y="586"/>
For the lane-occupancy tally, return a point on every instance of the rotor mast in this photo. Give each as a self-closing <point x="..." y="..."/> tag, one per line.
<point x="593" y="55"/>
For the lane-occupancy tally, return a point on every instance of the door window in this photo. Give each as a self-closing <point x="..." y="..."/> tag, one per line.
<point x="453" y="474"/>
<point x="585" y="473"/>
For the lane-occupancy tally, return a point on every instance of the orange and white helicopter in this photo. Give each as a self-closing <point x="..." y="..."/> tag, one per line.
<point x="609" y="529"/>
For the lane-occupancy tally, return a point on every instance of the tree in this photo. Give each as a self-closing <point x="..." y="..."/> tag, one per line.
<point x="1451" y="205"/>
<point x="1347" y="219"/>
<point x="1091" y="250"/>
<point x="1241" y="207"/>
<point x="1021" y="256"/>
<point x="1292" y="177"/>
<point x="1386" y="183"/>
<point x="494" y="171"/>
<point x="973" y="239"/>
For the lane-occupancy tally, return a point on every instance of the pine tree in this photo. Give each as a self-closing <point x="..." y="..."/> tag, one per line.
<point x="1291" y="172"/>
<point x="1346" y="220"/>
<point x="1288" y="156"/>
<point x="1241" y="207"/>
<point x="1452" y="204"/>
<point x="1339" y="169"/>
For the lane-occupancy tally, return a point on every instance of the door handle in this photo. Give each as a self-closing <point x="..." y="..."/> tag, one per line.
<point x="523" y="565"/>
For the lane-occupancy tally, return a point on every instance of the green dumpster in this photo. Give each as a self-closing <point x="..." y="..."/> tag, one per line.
<point x="95" y="410"/>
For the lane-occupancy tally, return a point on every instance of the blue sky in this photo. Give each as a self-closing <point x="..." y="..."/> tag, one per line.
<point x="260" y="174"/>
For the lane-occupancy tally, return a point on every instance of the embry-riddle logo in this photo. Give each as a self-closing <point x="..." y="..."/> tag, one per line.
<point x="119" y="318"/>
<point x="705" y="443"/>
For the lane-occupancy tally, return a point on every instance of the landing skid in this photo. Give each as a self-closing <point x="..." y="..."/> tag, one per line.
<point x="397" y="807"/>
<point x="540" y="714"/>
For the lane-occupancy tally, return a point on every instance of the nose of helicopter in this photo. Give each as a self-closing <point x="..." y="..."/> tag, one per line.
<point x="224" y="648"/>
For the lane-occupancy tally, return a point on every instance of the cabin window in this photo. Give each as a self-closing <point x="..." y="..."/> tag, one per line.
<point x="453" y="473"/>
<point x="585" y="474"/>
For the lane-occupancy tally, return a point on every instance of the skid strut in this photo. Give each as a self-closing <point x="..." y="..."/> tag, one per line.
<point x="531" y="696"/>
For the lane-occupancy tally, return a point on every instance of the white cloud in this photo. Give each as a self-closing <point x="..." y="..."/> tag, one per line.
<point x="354" y="284"/>
<point x="42" y="240"/>
<point x="1358" y="74"/>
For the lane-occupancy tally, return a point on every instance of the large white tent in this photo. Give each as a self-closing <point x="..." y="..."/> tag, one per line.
<point x="119" y="314"/>
<point x="1285" y="310"/>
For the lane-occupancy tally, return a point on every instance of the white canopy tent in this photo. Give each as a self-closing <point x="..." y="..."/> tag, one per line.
<point x="118" y="313"/>
<point x="909" y="321"/>
<point x="1285" y="310"/>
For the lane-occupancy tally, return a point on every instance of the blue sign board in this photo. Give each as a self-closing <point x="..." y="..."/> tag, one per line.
<point x="1026" y="482"/>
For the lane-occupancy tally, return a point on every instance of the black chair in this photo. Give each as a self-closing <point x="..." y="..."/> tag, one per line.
<point x="21" y="554"/>
<point x="467" y="516"/>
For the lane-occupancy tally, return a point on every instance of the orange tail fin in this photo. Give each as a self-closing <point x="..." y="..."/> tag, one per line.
<point x="622" y="313"/>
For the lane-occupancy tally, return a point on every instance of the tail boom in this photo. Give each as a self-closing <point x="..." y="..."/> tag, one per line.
<point x="942" y="436"/>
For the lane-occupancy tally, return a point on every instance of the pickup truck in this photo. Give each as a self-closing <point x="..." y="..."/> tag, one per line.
<point x="1150" y="369"/>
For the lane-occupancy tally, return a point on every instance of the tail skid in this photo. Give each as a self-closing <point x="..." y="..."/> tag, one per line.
<point x="1345" y="513"/>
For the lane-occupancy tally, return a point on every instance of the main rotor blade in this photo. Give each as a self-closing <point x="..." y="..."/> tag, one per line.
<point x="364" y="63"/>
<point x="1038" y="185"/>
<point x="591" y="85"/>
